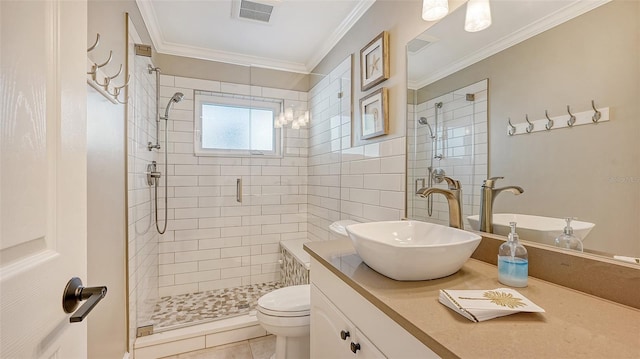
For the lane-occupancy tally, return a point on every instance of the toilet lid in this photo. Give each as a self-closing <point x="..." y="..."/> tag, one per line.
<point x="288" y="301"/>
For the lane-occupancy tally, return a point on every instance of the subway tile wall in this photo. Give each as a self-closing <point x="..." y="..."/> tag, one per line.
<point x="212" y="241"/>
<point x="142" y="235"/>
<point x="329" y="103"/>
<point x="461" y="137"/>
<point x="363" y="183"/>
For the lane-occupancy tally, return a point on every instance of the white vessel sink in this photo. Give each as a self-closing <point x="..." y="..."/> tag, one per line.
<point x="412" y="250"/>
<point x="533" y="228"/>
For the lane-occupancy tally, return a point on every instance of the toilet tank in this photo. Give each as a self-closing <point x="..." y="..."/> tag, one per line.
<point x="338" y="229"/>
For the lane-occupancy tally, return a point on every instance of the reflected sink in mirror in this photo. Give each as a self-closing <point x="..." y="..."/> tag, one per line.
<point x="533" y="228"/>
<point x="412" y="250"/>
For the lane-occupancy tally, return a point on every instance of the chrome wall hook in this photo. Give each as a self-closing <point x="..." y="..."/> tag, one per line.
<point x="572" y="119"/>
<point x="95" y="44"/>
<point x="106" y="62"/>
<point x="95" y="67"/>
<point x="116" y="89"/>
<point x="530" y="125"/>
<point x="512" y="128"/>
<point x="549" y="124"/>
<point x="597" y="114"/>
<point x="107" y="79"/>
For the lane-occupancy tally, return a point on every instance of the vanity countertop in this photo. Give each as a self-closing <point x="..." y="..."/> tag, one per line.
<point x="575" y="325"/>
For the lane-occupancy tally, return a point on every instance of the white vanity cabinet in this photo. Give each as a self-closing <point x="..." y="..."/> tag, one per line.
<point x="338" y="311"/>
<point x="333" y="335"/>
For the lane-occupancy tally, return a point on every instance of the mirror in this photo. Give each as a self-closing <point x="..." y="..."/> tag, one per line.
<point x="542" y="57"/>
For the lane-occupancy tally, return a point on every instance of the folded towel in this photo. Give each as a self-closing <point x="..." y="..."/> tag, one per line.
<point x="480" y="305"/>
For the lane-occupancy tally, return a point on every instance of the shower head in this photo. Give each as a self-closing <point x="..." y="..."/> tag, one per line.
<point x="423" y="121"/>
<point x="177" y="97"/>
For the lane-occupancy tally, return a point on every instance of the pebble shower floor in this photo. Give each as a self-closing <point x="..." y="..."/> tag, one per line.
<point x="194" y="308"/>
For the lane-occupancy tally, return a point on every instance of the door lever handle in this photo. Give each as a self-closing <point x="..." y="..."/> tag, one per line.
<point x="74" y="293"/>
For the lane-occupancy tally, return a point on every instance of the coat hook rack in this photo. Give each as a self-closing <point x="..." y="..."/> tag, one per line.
<point x="592" y="116"/>
<point x="101" y="81"/>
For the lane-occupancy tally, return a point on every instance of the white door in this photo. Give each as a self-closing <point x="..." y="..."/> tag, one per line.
<point x="42" y="175"/>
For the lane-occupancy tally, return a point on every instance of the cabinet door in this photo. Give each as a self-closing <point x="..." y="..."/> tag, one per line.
<point x="328" y="326"/>
<point x="365" y="349"/>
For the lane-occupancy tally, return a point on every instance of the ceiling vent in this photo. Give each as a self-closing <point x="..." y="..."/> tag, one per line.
<point x="420" y="43"/>
<point x="254" y="11"/>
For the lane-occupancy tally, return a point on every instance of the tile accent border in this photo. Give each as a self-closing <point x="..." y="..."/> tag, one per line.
<point x="292" y="271"/>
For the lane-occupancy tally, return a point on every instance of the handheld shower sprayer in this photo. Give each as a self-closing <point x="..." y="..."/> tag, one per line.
<point x="423" y="121"/>
<point x="177" y="97"/>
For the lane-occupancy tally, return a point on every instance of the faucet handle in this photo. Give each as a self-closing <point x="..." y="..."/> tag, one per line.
<point x="491" y="181"/>
<point x="453" y="184"/>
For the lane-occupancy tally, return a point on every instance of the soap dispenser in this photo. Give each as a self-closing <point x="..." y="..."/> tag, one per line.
<point x="568" y="240"/>
<point x="513" y="261"/>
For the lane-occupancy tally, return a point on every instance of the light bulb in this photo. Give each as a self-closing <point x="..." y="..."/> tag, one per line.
<point x="433" y="10"/>
<point x="288" y="114"/>
<point x="478" y="15"/>
<point x="295" y="125"/>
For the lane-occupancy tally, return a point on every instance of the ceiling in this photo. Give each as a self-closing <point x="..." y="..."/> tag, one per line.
<point x="299" y="34"/>
<point x="449" y="48"/>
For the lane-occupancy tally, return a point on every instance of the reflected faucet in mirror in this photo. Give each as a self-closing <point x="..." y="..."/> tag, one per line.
<point x="454" y="199"/>
<point x="487" y="196"/>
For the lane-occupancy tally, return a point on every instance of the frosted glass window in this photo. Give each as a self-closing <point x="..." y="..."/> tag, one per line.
<point x="233" y="125"/>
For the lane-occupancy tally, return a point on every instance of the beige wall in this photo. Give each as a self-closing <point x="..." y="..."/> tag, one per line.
<point x="568" y="172"/>
<point x="106" y="225"/>
<point x="220" y="71"/>
<point x="403" y="21"/>
<point x="107" y="326"/>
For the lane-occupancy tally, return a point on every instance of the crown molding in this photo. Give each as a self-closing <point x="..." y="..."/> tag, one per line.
<point x="572" y="10"/>
<point x="344" y="27"/>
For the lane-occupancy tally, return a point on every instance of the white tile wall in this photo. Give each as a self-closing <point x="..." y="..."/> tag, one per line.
<point x="461" y="138"/>
<point x="328" y="111"/>
<point x="213" y="241"/>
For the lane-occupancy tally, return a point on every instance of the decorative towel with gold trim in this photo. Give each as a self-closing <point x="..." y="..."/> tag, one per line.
<point x="481" y="305"/>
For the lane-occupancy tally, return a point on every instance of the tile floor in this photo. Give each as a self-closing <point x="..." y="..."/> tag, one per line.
<point x="195" y="308"/>
<point x="258" y="348"/>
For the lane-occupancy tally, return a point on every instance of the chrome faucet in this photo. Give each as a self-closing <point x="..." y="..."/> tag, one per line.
<point x="454" y="198"/>
<point x="487" y="196"/>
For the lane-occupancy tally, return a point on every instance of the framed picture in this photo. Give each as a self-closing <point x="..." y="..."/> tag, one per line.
<point x="374" y="113"/>
<point x="374" y="62"/>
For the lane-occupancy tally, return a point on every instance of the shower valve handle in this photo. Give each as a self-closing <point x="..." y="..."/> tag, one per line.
<point x="152" y="175"/>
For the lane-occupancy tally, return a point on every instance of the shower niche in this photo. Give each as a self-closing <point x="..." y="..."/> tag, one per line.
<point x="446" y="136"/>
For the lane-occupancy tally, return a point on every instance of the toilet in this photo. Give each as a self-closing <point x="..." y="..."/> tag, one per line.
<point x="285" y="312"/>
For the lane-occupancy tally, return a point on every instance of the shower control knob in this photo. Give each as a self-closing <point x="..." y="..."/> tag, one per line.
<point x="344" y="334"/>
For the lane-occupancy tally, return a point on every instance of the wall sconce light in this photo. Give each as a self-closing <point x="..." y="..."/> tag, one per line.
<point x="287" y="116"/>
<point x="433" y="10"/>
<point x="478" y="15"/>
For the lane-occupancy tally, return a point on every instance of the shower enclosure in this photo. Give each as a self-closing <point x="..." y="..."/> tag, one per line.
<point x="447" y="136"/>
<point x="226" y="214"/>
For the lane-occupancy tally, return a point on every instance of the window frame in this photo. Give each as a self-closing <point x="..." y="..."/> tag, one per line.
<point x="202" y="98"/>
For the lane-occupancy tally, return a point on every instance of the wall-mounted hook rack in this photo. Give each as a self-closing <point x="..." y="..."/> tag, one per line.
<point x="592" y="116"/>
<point x="102" y="82"/>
